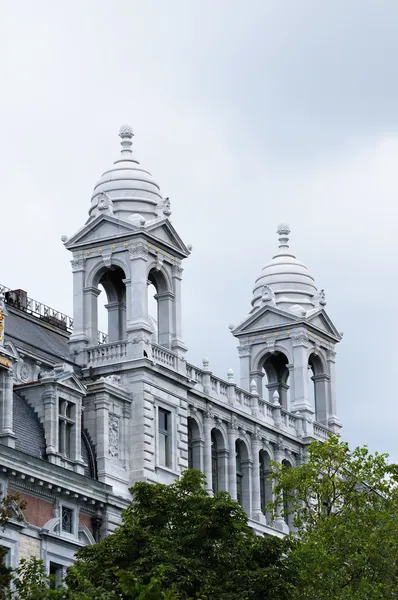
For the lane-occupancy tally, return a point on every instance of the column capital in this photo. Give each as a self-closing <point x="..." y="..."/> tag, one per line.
<point x="177" y="271"/>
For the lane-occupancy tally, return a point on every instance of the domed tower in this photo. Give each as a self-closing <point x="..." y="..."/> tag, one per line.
<point x="127" y="243"/>
<point x="287" y="342"/>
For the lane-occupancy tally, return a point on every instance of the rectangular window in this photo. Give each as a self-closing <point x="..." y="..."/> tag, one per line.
<point x="56" y="573"/>
<point x="164" y="437"/>
<point x="67" y="519"/>
<point x="66" y="421"/>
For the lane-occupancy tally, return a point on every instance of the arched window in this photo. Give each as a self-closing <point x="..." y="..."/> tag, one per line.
<point x="287" y="509"/>
<point x="243" y="483"/>
<point x="194" y="445"/>
<point x="266" y="492"/>
<point x="214" y="462"/>
<point x="239" y="475"/>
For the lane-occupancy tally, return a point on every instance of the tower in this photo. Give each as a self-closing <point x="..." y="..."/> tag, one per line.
<point x="287" y="342"/>
<point x="127" y="243"/>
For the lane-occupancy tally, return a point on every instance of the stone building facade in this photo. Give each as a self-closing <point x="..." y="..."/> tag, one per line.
<point x="85" y="414"/>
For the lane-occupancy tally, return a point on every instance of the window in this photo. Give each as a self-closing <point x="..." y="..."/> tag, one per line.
<point x="190" y="449"/>
<point x="66" y="421"/>
<point x="67" y="519"/>
<point x="262" y="485"/>
<point x="164" y="437"/>
<point x="214" y="462"/>
<point x="239" y="475"/>
<point x="56" y="573"/>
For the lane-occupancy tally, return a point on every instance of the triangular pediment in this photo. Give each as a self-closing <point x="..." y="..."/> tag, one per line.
<point x="265" y="318"/>
<point x="322" y="321"/>
<point x="99" y="230"/>
<point x="165" y="232"/>
<point x="72" y="382"/>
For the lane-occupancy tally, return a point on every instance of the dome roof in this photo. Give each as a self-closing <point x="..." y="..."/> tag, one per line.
<point x="126" y="189"/>
<point x="285" y="281"/>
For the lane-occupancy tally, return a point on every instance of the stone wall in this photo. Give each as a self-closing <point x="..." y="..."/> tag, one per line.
<point x="28" y="546"/>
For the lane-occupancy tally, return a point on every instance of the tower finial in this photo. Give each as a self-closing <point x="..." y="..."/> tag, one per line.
<point x="283" y="232"/>
<point x="126" y="134"/>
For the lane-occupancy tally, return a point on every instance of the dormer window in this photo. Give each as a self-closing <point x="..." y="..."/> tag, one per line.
<point x="66" y="423"/>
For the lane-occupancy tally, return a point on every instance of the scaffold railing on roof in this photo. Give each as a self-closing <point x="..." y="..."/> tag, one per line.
<point x="19" y="299"/>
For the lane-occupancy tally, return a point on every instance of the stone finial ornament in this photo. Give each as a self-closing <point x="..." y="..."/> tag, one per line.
<point x="320" y="298"/>
<point x="206" y="363"/>
<point x="126" y="131"/>
<point x="283" y="231"/>
<point x="275" y="398"/>
<point x="64" y="239"/>
<point x="253" y="387"/>
<point x="230" y="375"/>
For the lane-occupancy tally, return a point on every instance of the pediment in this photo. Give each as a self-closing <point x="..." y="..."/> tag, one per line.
<point x="72" y="382"/>
<point x="165" y="232"/>
<point x="322" y="321"/>
<point x="100" y="229"/>
<point x="265" y="318"/>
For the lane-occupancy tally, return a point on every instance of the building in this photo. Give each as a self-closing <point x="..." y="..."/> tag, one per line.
<point x="85" y="414"/>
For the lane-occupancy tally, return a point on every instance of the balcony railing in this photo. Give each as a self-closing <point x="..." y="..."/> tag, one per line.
<point x="107" y="353"/>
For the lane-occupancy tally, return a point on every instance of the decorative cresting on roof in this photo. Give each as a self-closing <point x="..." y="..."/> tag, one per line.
<point x="126" y="191"/>
<point x="284" y="282"/>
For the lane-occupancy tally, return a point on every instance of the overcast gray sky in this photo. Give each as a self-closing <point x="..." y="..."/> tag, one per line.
<point x="247" y="113"/>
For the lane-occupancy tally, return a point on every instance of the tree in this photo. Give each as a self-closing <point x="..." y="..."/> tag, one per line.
<point x="184" y="543"/>
<point x="11" y="505"/>
<point x="345" y="509"/>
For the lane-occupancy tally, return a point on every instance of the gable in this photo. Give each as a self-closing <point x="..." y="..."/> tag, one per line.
<point x="321" y="321"/>
<point x="72" y="383"/>
<point x="266" y="318"/>
<point x="102" y="228"/>
<point x="165" y="232"/>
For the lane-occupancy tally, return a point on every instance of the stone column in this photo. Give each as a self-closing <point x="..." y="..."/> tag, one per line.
<point x="78" y="339"/>
<point x="256" y="504"/>
<point x="333" y="421"/>
<point x="177" y="342"/>
<point x="7" y="435"/>
<point x="138" y="328"/>
<point x="165" y="318"/>
<point x="208" y="423"/>
<point x="76" y="441"/>
<point x="114" y="332"/>
<point x="301" y="402"/>
<point x="244" y="356"/>
<point x="49" y="398"/>
<point x="102" y="404"/>
<point x="232" y="458"/>
<point x="91" y="314"/>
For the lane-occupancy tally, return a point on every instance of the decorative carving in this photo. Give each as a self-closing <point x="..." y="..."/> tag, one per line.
<point x="208" y="413"/>
<point x="138" y="250"/>
<point x="300" y="338"/>
<point x="257" y="433"/>
<point x="113" y="380"/>
<point x="167" y="207"/>
<point x="244" y="348"/>
<point x="107" y="259"/>
<point x="233" y="424"/>
<point x="104" y="204"/>
<point x="177" y="271"/>
<point x="320" y="298"/>
<point x="268" y="296"/>
<point x="127" y="411"/>
<point x="77" y="264"/>
<point x="159" y="262"/>
<point x="25" y="372"/>
<point x="270" y="346"/>
<point x="113" y="445"/>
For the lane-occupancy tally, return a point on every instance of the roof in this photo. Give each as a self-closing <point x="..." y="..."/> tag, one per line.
<point x="32" y="335"/>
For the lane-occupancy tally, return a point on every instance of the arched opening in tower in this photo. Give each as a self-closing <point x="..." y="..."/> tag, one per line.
<point x="276" y="378"/>
<point x="111" y="305"/>
<point x="160" y="308"/>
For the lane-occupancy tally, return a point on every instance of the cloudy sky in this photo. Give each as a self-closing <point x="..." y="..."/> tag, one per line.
<point x="247" y="113"/>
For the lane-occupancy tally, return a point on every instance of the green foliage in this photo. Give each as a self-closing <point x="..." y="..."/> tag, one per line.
<point x="185" y="543"/>
<point x="346" y="514"/>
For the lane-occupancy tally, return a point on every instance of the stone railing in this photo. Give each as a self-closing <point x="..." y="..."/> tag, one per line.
<point x="227" y="392"/>
<point x="107" y="353"/>
<point x="164" y="356"/>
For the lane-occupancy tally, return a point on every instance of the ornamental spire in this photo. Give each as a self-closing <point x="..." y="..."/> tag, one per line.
<point x="283" y="232"/>
<point x="126" y="134"/>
